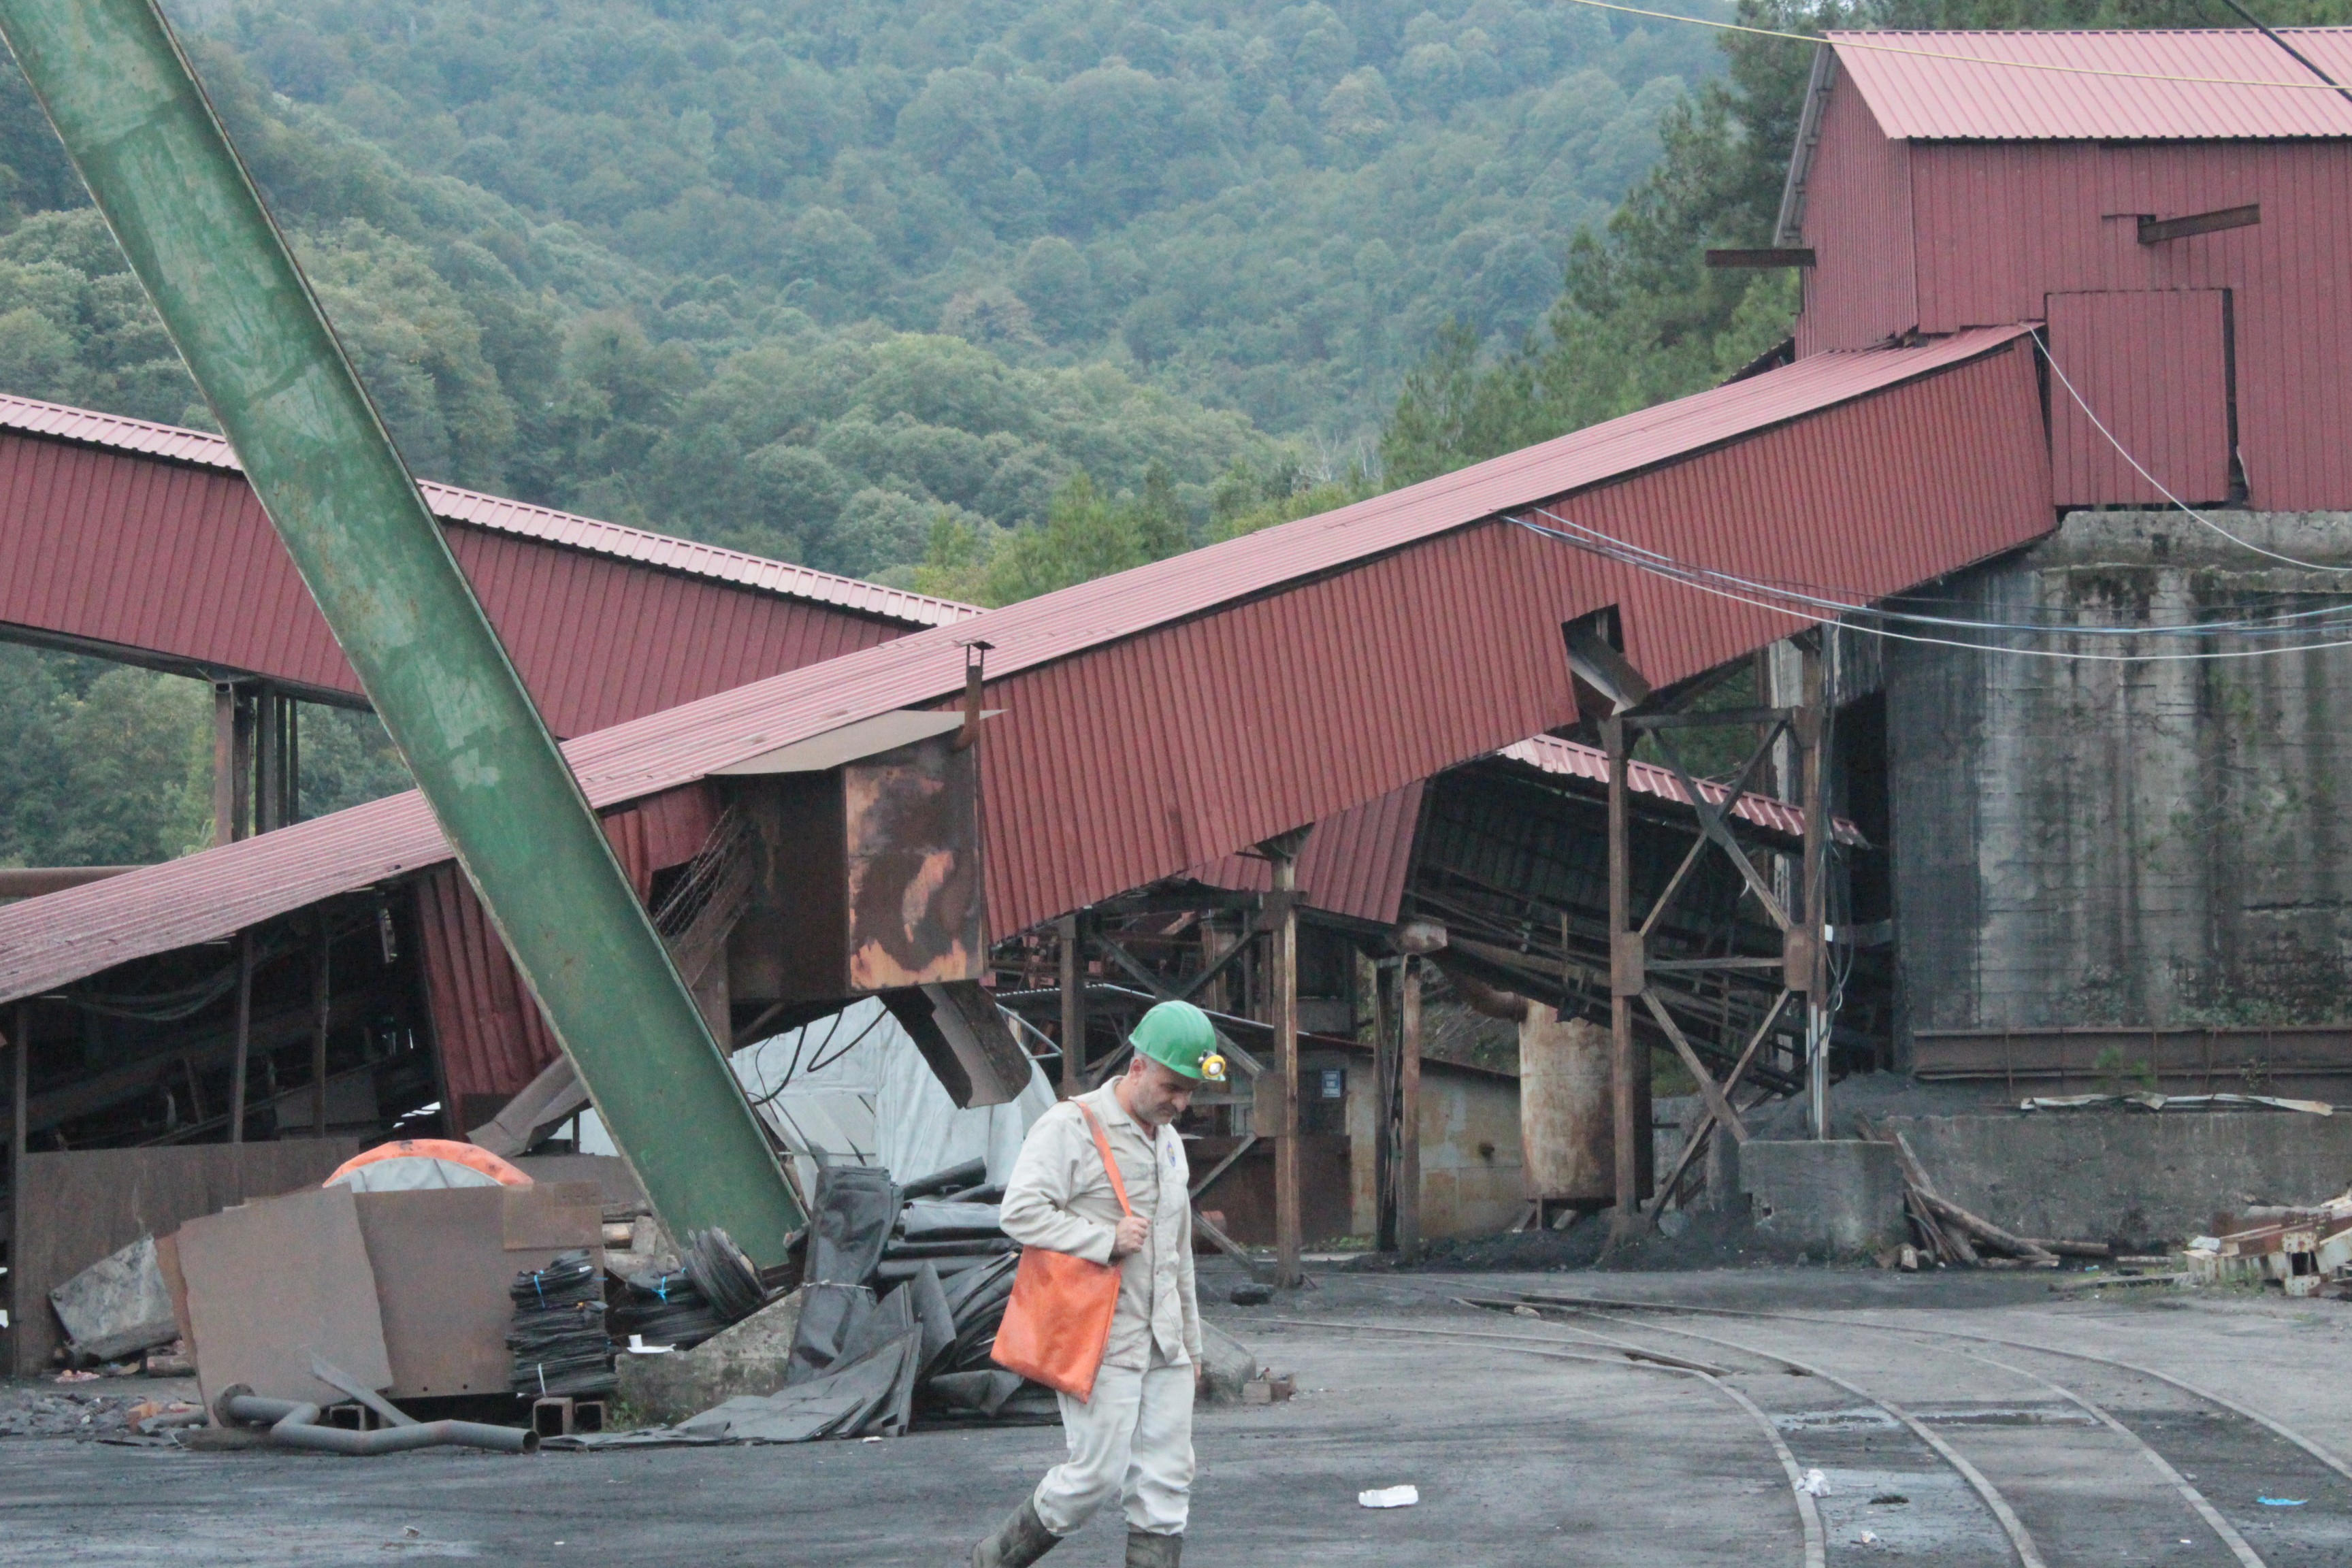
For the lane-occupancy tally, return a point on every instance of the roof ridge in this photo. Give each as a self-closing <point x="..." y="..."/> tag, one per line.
<point x="502" y="514"/>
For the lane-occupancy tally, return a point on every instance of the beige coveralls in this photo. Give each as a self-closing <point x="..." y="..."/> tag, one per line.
<point x="1134" y="1433"/>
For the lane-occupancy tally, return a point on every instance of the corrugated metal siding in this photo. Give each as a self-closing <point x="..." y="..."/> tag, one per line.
<point x="1169" y="715"/>
<point x="1924" y="97"/>
<point x="492" y="1036"/>
<point x="496" y="514"/>
<point x="1352" y="864"/>
<point x="2150" y="365"/>
<point x="1550" y="754"/>
<point x="2000" y="227"/>
<point x="1862" y="289"/>
<point x="181" y="562"/>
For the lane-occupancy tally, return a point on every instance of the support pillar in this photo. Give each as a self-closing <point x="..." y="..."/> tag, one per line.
<point x="1284" y="1009"/>
<point x="232" y="760"/>
<point x="1074" y="1006"/>
<point x="20" y="1080"/>
<point x="1813" y="737"/>
<point x="319" y="1007"/>
<point x="1408" y="1217"/>
<point x="1629" y="1065"/>
<point x="243" y="1035"/>
<point x="1386" y="1043"/>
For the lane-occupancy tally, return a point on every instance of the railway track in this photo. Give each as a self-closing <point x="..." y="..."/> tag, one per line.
<point x="2087" y="1440"/>
<point x="1961" y="1346"/>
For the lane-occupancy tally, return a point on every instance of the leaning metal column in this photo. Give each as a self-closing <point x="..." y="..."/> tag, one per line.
<point x="144" y="139"/>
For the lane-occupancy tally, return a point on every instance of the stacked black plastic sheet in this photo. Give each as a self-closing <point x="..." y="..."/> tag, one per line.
<point x="558" y="1337"/>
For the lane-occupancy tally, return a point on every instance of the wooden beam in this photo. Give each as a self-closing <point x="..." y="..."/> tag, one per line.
<point x="20" y="1079"/>
<point x="1765" y="257"/>
<point x="1409" y="1110"/>
<point x="1385" y="1046"/>
<point x="1284" y="1010"/>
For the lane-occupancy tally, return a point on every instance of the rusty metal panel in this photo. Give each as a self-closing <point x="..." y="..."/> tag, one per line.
<point x="870" y="877"/>
<point x="271" y="1284"/>
<point x="2152" y="368"/>
<point x="1166" y="716"/>
<point x="2233" y="1059"/>
<point x="1863" y="287"/>
<point x="2140" y="85"/>
<point x="443" y="1261"/>
<point x="912" y="864"/>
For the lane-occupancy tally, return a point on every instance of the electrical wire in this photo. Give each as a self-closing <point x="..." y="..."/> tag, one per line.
<point x="1707" y="581"/>
<point x="1849" y="43"/>
<point x="2099" y="424"/>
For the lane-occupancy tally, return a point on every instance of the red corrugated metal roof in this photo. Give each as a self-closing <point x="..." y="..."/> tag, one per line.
<point x="1268" y="681"/>
<point x="1352" y="864"/>
<point x="198" y="449"/>
<point x="2137" y="86"/>
<point x="1572" y="760"/>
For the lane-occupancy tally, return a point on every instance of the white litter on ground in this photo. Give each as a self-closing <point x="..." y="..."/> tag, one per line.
<point x="1815" y="1484"/>
<point x="1390" y="1497"/>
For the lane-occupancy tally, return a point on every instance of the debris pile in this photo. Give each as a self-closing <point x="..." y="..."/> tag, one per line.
<point x="2303" y="1251"/>
<point x="1949" y="1234"/>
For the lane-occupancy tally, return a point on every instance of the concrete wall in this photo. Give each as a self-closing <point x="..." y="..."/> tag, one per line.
<point x="1471" y="1179"/>
<point x="2152" y="844"/>
<point x="2128" y="1176"/>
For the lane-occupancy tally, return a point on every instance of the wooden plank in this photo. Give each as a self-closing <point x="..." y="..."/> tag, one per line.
<point x="1284" y="956"/>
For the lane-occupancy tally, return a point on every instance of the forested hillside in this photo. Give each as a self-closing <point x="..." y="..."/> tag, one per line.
<point x="985" y="298"/>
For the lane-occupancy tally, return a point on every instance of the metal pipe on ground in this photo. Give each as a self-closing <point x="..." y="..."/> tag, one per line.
<point x="295" y="1424"/>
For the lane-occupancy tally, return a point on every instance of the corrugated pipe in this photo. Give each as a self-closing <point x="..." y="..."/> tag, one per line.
<point x="296" y="1426"/>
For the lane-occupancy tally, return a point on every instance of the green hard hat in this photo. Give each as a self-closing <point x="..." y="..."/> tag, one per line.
<point x="1179" y="1037"/>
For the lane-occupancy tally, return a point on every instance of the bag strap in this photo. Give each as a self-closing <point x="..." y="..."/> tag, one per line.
<point x="1109" y="1164"/>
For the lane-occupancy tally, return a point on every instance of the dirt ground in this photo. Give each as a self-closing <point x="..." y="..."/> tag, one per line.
<point x="1532" y="1439"/>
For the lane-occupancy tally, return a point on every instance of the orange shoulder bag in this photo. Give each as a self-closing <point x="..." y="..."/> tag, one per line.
<point x="1057" y="1322"/>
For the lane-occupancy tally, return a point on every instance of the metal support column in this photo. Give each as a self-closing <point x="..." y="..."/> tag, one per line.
<point x="1629" y="1064"/>
<point x="128" y="109"/>
<point x="20" y="1091"/>
<point x="243" y="1035"/>
<point x="1814" y="735"/>
<point x="319" y="1010"/>
<point x="1408" y="1220"/>
<point x="1074" y="1006"/>
<point x="1285" y="1009"/>
<point x="1385" y="1044"/>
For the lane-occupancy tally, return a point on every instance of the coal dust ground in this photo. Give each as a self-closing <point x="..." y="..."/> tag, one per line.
<point x="1531" y="1438"/>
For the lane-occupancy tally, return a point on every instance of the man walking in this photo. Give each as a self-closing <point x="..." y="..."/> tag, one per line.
<point x="1133" y="1434"/>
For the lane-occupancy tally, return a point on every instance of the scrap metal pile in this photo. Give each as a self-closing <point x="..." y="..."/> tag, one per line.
<point x="2303" y="1251"/>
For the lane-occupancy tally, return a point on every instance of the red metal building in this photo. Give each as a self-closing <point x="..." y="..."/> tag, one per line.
<point x="144" y="542"/>
<point x="1169" y="715"/>
<point x="1952" y="180"/>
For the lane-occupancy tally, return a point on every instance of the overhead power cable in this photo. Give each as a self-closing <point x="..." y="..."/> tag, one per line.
<point x="1958" y="59"/>
<point x="1857" y="616"/>
<point x="2099" y="424"/>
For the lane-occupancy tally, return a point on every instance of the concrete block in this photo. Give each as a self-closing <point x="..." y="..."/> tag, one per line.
<point x="748" y="1357"/>
<point x="1839" y="1197"/>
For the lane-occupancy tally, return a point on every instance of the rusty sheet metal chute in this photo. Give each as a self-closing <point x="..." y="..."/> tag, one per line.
<point x="125" y="101"/>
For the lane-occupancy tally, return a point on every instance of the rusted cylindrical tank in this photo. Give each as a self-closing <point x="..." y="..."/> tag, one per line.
<point x="1564" y="1128"/>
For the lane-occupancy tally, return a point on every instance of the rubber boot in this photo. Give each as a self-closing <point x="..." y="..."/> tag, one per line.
<point x="1020" y="1541"/>
<point x="1145" y="1550"/>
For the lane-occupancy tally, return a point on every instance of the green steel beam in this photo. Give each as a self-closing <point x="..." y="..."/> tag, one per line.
<point x="140" y="130"/>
